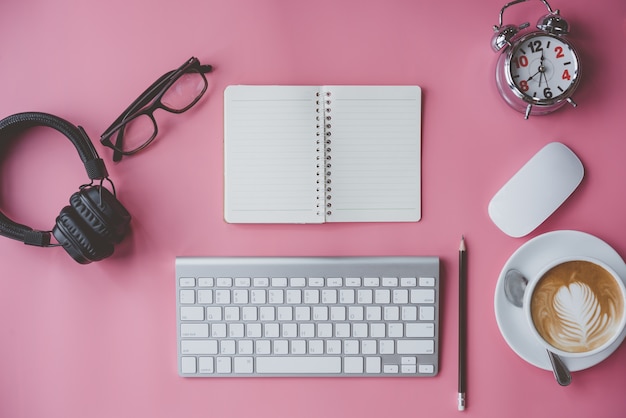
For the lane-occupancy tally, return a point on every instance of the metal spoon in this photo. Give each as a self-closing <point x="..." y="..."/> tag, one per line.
<point x="514" y="286"/>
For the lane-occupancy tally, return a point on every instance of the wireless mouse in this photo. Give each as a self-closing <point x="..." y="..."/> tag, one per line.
<point x="536" y="190"/>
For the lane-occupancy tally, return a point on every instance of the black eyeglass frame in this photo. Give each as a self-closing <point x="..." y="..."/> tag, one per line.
<point x="153" y="94"/>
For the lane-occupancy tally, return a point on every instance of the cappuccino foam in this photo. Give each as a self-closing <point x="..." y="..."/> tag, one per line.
<point x="577" y="306"/>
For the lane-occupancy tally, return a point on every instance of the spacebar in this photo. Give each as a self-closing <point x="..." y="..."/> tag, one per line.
<point x="298" y="365"/>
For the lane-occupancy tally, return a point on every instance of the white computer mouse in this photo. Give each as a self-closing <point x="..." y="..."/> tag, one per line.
<point x="536" y="190"/>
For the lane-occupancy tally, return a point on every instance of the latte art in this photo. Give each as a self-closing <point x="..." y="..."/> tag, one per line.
<point x="577" y="306"/>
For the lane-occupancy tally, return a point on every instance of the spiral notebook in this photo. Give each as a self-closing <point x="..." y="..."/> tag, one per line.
<point x="315" y="154"/>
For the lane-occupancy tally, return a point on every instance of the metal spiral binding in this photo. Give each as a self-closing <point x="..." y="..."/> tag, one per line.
<point x="319" y="151"/>
<point x="323" y="144"/>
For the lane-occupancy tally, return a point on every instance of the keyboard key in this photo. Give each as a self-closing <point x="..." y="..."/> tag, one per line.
<point x="198" y="347"/>
<point x="205" y="297"/>
<point x="408" y="281"/>
<point x="334" y="282"/>
<point x="205" y="364"/>
<point x="298" y="365"/>
<point x="222" y="297"/>
<point x="415" y="346"/>
<point x="391" y="368"/>
<point x="205" y="281"/>
<point x="353" y="364"/>
<point x="188" y="365"/>
<point x="213" y="313"/>
<point x="187" y="296"/>
<point x="316" y="281"/>
<point x="194" y="330"/>
<point x="353" y="281"/>
<point x="279" y="282"/>
<point x="390" y="281"/>
<point x="420" y="330"/>
<point x="186" y="282"/>
<point x="371" y="281"/>
<point x="427" y="281"/>
<point x="191" y="313"/>
<point x="223" y="365"/>
<point x="427" y="313"/>
<point x="297" y="282"/>
<point x="242" y="282"/>
<point x="422" y="296"/>
<point x="261" y="282"/>
<point x="243" y="365"/>
<point x="426" y="368"/>
<point x="224" y="282"/>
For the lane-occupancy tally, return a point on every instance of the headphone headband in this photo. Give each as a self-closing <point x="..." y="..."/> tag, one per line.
<point x="94" y="165"/>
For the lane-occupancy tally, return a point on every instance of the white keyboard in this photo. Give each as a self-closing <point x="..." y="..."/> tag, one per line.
<point x="307" y="316"/>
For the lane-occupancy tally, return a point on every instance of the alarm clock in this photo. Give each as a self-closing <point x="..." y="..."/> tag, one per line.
<point x="538" y="70"/>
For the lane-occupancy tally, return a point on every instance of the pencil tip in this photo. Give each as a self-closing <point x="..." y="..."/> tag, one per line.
<point x="462" y="246"/>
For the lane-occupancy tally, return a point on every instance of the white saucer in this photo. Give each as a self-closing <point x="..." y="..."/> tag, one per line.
<point x="529" y="259"/>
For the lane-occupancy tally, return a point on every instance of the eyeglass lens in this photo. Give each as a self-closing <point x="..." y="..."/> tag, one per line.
<point x="187" y="88"/>
<point x="181" y="95"/>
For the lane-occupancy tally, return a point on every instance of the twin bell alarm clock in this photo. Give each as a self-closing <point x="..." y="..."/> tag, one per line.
<point x="538" y="70"/>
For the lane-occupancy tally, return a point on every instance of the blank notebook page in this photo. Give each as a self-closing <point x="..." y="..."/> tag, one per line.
<point x="375" y="149"/>
<point x="270" y="134"/>
<point x="308" y="154"/>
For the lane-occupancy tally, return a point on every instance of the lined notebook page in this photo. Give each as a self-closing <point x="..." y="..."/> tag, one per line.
<point x="270" y="154"/>
<point x="375" y="153"/>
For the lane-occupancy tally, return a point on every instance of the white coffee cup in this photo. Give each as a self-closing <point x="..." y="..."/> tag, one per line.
<point x="576" y="306"/>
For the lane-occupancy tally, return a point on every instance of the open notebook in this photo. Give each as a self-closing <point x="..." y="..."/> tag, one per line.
<point x="310" y="154"/>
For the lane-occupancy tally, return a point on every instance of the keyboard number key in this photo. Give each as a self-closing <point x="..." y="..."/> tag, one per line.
<point x="187" y="296"/>
<point x="222" y="297"/>
<point x="205" y="296"/>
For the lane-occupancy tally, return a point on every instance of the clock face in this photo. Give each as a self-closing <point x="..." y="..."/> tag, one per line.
<point x="543" y="69"/>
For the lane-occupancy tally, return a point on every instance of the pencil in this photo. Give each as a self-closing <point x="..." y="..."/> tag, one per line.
<point x="462" y="323"/>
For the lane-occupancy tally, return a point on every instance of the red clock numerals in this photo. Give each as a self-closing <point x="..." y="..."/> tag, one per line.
<point x="566" y="75"/>
<point x="559" y="52"/>
<point x="523" y="85"/>
<point x="522" y="61"/>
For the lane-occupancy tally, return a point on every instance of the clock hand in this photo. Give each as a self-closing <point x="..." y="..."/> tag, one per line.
<point x="542" y="69"/>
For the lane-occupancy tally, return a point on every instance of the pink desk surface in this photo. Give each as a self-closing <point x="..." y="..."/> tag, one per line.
<point x="100" y="341"/>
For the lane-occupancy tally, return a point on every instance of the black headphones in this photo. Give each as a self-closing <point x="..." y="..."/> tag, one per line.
<point x="94" y="221"/>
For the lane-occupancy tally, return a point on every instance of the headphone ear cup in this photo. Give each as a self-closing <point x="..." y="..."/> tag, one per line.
<point x="102" y="212"/>
<point x="79" y="240"/>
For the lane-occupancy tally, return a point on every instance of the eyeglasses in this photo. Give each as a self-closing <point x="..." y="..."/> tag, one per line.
<point x="176" y="92"/>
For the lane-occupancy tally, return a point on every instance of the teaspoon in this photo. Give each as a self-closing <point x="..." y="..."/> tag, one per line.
<point x="514" y="286"/>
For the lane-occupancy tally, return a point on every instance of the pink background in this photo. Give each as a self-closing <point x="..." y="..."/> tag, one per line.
<point x="100" y="340"/>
